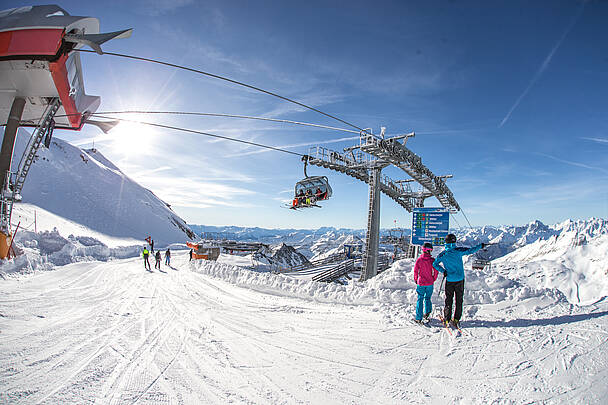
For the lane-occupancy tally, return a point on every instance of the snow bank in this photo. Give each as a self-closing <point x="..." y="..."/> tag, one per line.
<point x="44" y="250"/>
<point x="394" y="286"/>
<point x="355" y="293"/>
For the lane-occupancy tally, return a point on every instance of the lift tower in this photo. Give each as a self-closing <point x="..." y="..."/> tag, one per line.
<point x="365" y="162"/>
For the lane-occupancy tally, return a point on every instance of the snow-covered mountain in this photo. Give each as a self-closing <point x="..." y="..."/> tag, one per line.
<point x="281" y="255"/>
<point x="309" y="242"/>
<point x="572" y="257"/>
<point x="315" y="243"/>
<point x="86" y="188"/>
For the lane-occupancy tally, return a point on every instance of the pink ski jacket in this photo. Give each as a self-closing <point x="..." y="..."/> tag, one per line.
<point x="424" y="272"/>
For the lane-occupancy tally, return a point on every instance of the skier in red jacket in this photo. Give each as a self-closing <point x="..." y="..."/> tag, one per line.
<point x="424" y="276"/>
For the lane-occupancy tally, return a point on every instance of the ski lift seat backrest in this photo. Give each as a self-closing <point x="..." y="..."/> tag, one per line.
<point x="312" y="184"/>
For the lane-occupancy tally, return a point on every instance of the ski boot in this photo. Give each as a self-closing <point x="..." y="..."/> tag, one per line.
<point x="455" y="323"/>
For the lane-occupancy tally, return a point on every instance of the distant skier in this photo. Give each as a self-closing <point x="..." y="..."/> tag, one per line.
<point x="157" y="257"/>
<point x="145" y="253"/>
<point x="451" y="258"/>
<point x="168" y="257"/>
<point x="424" y="276"/>
<point x="190" y="255"/>
<point x="152" y="245"/>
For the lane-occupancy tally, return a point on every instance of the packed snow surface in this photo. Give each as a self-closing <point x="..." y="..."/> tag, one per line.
<point x="203" y="332"/>
<point x="81" y="321"/>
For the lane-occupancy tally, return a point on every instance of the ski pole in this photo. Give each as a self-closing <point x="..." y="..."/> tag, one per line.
<point x="441" y="288"/>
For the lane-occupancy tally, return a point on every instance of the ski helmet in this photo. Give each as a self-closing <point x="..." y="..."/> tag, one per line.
<point x="451" y="238"/>
<point x="427" y="247"/>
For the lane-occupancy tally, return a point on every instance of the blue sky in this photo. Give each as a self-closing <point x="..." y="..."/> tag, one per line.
<point x="508" y="96"/>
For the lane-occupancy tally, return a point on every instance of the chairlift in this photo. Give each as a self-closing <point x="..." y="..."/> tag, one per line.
<point x="480" y="264"/>
<point x="310" y="190"/>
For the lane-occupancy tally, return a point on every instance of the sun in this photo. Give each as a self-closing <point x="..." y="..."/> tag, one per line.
<point x="132" y="138"/>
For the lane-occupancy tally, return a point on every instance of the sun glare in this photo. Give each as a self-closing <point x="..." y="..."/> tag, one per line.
<point x="129" y="138"/>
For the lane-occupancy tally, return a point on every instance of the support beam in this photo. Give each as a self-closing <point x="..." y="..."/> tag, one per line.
<point x="372" y="240"/>
<point x="6" y="156"/>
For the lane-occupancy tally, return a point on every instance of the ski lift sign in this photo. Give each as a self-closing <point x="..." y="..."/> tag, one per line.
<point x="430" y="225"/>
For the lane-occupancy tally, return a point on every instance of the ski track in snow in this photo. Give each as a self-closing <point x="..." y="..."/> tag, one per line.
<point x="113" y="333"/>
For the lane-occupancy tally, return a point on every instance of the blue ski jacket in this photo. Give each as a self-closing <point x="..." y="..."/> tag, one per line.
<point x="451" y="258"/>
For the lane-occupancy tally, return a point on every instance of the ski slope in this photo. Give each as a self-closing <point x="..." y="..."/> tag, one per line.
<point x="113" y="333"/>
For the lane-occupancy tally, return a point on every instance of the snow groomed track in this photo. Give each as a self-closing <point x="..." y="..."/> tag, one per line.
<point x="115" y="333"/>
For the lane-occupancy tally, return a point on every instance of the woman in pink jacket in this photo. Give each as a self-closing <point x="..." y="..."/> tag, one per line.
<point x="424" y="276"/>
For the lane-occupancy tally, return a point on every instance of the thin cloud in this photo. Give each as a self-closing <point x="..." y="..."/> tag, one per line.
<point x="158" y="7"/>
<point x="571" y="163"/>
<point x="198" y="193"/>
<point x="543" y="66"/>
<point x="598" y="140"/>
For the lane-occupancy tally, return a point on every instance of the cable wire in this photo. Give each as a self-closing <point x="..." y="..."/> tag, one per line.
<point x="140" y="58"/>
<point x="455" y="219"/>
<point x="228" y="116"/>
<point x="227" y="138"/>
<point x="465" y="217"/>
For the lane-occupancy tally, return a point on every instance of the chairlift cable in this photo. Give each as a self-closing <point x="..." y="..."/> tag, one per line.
<point x="455" y="219"/>
<point x="465" y="217"/>
<point x="230" y="116"/>
<point x="227" y="138"/>
<point x="140" y="58"/>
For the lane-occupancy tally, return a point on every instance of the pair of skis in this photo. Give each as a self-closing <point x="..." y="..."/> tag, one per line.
<point x="447" y="327"/>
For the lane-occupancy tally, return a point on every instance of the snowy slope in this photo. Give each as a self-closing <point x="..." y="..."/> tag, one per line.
<point x="574" y="259"/>
<point x="212" y="333"/>
<point x="84" y="187"/>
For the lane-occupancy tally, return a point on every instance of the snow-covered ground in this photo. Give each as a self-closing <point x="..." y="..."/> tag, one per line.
<point x="81" y="321"/>
<point x="112" y="332"/>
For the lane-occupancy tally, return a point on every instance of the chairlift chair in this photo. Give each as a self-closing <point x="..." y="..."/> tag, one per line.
<point x="309" y="190"/>
<point x="480" y="264"/>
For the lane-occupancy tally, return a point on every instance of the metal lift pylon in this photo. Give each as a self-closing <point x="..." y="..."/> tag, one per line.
<point x="365" y="162"/>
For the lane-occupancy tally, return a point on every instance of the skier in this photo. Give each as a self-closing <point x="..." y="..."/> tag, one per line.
<point x="453" y="270"/>
<point x="152" y="245"/>
<point x="190" y="255"/>
<point x="424" y="276"/>
<point x="168" y="257"/>
<point x="157" y="257"/>
<point x="145" y="254"/>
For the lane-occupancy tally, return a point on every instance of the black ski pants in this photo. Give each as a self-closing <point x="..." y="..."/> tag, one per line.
<point x="453" y="288"/>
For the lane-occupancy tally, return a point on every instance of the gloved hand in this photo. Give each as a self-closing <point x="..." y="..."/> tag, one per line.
<point x="483" y="245"/>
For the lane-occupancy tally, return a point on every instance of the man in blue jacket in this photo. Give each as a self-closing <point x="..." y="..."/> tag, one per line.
<point x="453" y="270"/>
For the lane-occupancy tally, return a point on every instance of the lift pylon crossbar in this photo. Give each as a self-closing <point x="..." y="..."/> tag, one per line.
<point x="365" y="162"/>
<point x="391" y="150"/>
<point x="345" y="163"/>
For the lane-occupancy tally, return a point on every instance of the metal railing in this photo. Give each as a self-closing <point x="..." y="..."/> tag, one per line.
<point x="335" y="272"/>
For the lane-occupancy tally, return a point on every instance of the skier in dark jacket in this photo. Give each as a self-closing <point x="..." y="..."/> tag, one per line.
<point x="157" y="257"/>
<point x="168" y="257"/>
<point x="453" y="270"/>
<point x="145" y="253"/>
<point x="191" y="252"/>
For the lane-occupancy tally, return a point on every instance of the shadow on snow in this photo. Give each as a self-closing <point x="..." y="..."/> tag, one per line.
<point x="522" y="323"/>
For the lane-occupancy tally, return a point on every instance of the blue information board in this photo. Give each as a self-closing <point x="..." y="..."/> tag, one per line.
<point x="430" y="225"/>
